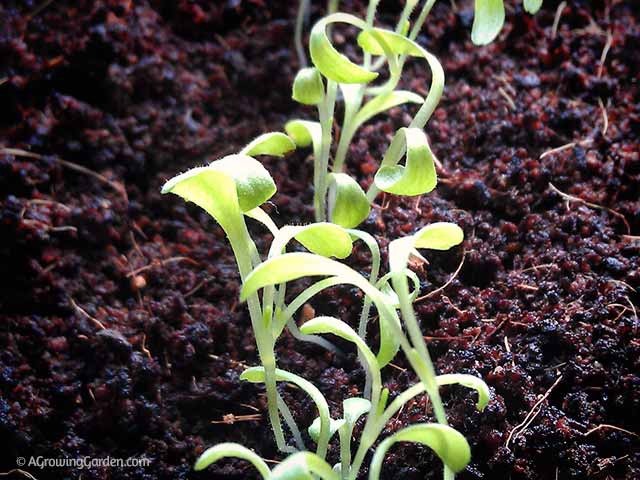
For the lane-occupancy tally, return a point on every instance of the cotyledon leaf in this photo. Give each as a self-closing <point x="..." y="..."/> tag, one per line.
<point x="449" y="444"/>
<point x="261" y="216"/>
<point x="308" y="88"/>
<point x="348" y="204"/>
<point x="305" y="133"/>
<point x="385" y="102"/>
<point x="273" y="143"/>
<point x="331" y="63"/>
<point x="225" y="188"/>
<point x="303" y="466"/>
<point x="469" y="381"/>
<point x="353" y="408"/>
<point x="418" y="175"/>
<point x="532" y="6"/>
<point x="342" y="330"/>
<point x="436" y="236"/>
<point x="396" y="44"/>
<point x="314" y="428"/>
<point x="488" y="20"/>
<point x="323" y="238"/>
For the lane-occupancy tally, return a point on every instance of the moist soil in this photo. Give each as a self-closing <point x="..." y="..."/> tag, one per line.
<point x="121" y="331"/>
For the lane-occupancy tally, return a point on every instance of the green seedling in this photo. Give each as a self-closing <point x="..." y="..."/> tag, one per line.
<point x="235" y="187"/>
<point x="334" y="77"/>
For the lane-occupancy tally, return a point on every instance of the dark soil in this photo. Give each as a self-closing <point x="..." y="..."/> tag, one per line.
<point x="121" y="335"/>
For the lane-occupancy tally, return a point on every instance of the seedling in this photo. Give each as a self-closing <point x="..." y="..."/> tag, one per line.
<point x="334" y="77"/>
<point x="234" y="188"/>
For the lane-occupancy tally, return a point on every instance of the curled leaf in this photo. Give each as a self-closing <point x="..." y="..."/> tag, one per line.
<point x="353" y="408"/>
<point x="418" y="175"/>
<point x="305" y="133"/>
<point x="273" y="143"/>
<point x="487" y="21"/>
<point x="331" y="63"/>
<point x="449" y="444"/>
<point x="224" y="450"/>
<point x="307" y="87"/>
<point x="348" y="204"/>
<point x="437" y="236"/>
<point x="314" y="428"/>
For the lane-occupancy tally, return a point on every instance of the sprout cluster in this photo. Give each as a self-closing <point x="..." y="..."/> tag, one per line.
<point x="234" y="188"/>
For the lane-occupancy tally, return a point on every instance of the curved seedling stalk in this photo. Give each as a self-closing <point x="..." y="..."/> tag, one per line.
<point x="292" y="266"/>
<point x="257" y="375"/>
<point x="354" y="118"/>
<point x="226" y="450"/>
<point x="449" y="444"/>
<point x="339" y="328"/>
<point x="438" y="236"/>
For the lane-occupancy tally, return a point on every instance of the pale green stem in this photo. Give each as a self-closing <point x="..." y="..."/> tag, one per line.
<point x="245" y="252"/>
<point x="448" y="474"/>
<point x="348" y="131"/>
<point x="291" y="423"/>
<point x="345" y="432"/>
<point x="302" y="11"/>
<point x="428" y="373"/>
<point x="325" y="112"/>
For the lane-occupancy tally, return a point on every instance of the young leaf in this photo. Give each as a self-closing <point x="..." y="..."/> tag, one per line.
<point x="305" y="133"/>
<point x="210" y="189"/>
<point x="447" y="443"/>
<point x="418" y="175"/>
<point x="322" y="238"/>
<point x="225" y="188"/>
<point x="273" y="143"/>
<point x="532" y="6"/>
<point x="291" y="266"/>
<point x="303" y="466"/>
<point x="469" y="381"/>
<point x="223" y="450"/>
<point x="328" y="60"/>
<point x="314" y="428"/>
<point x="353" y="408"/>
<point x="348" y="204"/>
<point x="257" y="375"/>
<point x="487" y="21"/>
<point x="307" y="87"/>
<point x="437" y="236"/>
